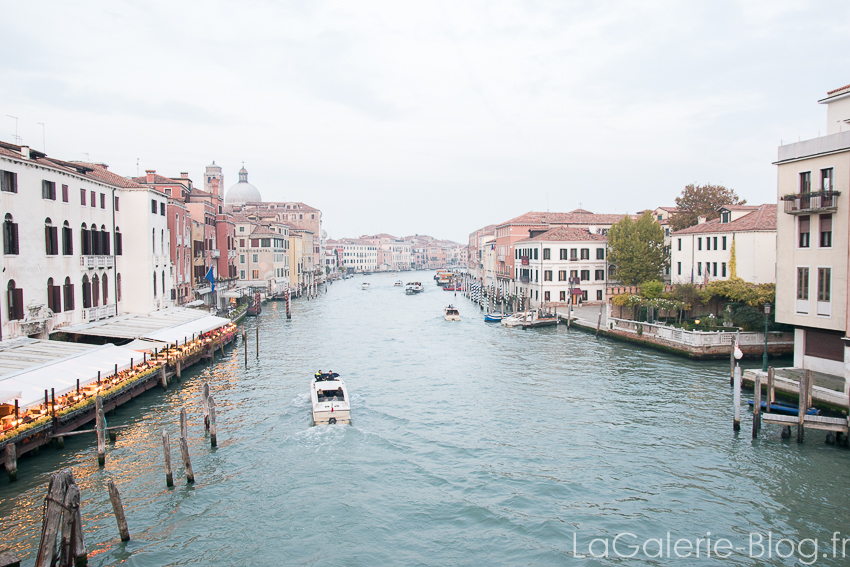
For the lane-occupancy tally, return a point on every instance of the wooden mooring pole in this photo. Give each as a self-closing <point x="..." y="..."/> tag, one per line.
<point x="178" y="370"/>
<point x="184" y="426"/>
<point x="118" y="509"/>
<point x="100" y="426"/>
<point x="70" y="553"/>
<point x="52" y="517"/>
<point x="11" y="462"/>
<point x="736" y="399"/>
<point x="213" y="431"/>
<point x="187" y="463"/>
<point x="258" y="341"/>
<point x="166" y="448"/>
<point x="163" y="380"/>
<point x="805" y="400"/>
<point x="757" y="403"/>
<point x="599" y="319"/>
<point x="205" y="404"/>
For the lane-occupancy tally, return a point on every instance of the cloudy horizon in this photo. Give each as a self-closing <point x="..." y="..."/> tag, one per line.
<point x="430" y="118"/>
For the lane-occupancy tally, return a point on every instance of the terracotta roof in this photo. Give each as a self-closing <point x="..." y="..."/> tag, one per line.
<point x="669" y="209"/>
<point x="580" y="212"/>
<point x="102" y="174"/>
<point x="837" y="90"/>
<point x="264" y="230"/>
<point x="762" y="219"/>
<point x="566" y="234"/>
<point x="739" y="207"/>
<point x="157" y="179"/>
<point x="543" y="218"/>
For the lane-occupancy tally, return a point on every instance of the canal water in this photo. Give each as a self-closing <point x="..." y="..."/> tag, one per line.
<point x="471" y="444"/>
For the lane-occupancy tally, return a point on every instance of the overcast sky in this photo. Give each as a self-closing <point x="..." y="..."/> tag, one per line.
<point x="428" y="117"/>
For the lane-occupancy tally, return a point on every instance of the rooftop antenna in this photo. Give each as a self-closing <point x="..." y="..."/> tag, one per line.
<point x="17" y="138"/>
<point x="137" y="167"/>
<point x="43" y="139"/>
<point x="88" y="159"/>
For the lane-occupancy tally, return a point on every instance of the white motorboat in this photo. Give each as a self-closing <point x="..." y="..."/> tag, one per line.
<point x="516" y="319"/>
<point x="398" y="283"/>
<point x="452" y="314"/>
<point x="365" y="285"/>
<point x="413" y="287"/>
<point x="329" y="398"/>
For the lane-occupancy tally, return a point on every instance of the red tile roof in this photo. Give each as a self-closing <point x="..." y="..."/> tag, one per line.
<point x="545" y="218"/>
<point x="837" y="90"/>
<point x="158" y="179"/>
<point x="762" y="219"/>
<point x="566" y="234"/>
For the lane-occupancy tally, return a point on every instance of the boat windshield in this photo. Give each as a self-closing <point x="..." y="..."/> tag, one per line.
<point x="331" y="395"/>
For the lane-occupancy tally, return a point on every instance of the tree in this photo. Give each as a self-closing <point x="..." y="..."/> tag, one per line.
<point x="701" y="201"/>
<point x="637" y="249"/>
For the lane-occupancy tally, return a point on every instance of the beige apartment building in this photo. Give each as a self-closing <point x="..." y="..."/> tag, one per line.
<point x="813" y="179"/>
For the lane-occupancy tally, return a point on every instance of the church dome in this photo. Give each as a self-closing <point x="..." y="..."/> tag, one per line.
<point x="243" y="192"/>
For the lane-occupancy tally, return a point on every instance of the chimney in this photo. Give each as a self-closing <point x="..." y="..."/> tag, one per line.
<point x="25" y="151"/>
<point x="700" y="220"/>
<point x="149" y="173"/>
<point x="184" y="175"/>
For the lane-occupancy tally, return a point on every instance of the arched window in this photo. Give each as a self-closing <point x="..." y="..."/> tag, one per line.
<point x="162" y="242"/>
<point x="119" y="243"/>
<point x="51" y="238"/>
<point x="118" y="287"/>
<point x="95" y="291"/>
<point x="153" y="242"/>
<point x="163" y="285"/>
<point x="15" y="301"/>
<point x="54" y="296"/>
<point x="68" y="292"/>
<point x="67" y="240"/>
<point x="105" y="285"/>
<point x="85" y="241"/>
<point x="10" y="235"/>
<point x="104" y="242"/>
<point x="154" y="284"/>
<point x="86" y="292"/>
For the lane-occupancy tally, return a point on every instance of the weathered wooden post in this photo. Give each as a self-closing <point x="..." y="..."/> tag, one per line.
<point x="205" y="405"/>
<point x="9" y="559"/>
<point x="53" y="405"/>
<point x="736" y="399"/>
<point x="258" y="341"/>
<point x="52" y="517"/>
<point x="184" y="425"/>
<point x="599" y="319"/>
<point x="12" y="462"/>
<point x="212" y="354"/>
<point x="69" y="553"/>
<point x="213" y="431"/>
<point x="100" y="426"/>
<point x="166" y="448"/>
<point x="179" y="375"/>
<point x="163" y="380"/>
<point x="187" y="463"/>
<point x="802" y="406"/>
<point x="756" y="405"/>
<point x="118" y="509"/>
<point x="770" y="395"/>
<point x="245" y="345"/>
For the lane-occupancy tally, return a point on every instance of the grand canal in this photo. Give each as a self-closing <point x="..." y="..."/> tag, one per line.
<point x="471" y="444"/>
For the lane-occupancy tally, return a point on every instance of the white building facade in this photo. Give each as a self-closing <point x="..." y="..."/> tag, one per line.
<point x="703" y="252"/>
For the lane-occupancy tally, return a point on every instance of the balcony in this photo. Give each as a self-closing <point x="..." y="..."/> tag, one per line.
<point x="500" y="257"/>
<point x="97" y="313"/>
<point x="804" y="203"/>
<point x="231" y="253"/>
<point x="523" y="279"/>
<point x="216" y="253"/>
<point x="92" y="262"/>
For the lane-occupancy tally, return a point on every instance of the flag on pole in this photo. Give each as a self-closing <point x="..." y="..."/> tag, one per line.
<point x="210" y="278"/>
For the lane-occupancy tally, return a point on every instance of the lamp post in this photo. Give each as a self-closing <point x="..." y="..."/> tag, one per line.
<point x="766" y="317"/>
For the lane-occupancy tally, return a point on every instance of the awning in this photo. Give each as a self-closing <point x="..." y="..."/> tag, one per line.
<point x="186" y="330"/>
<point x="203" y="290"/>
<point x="142" y="345"/>
<point x="62" y="375"/>
<point x="577" y="291"/>
<point x="196" y="303"/>
<point x="231" y="294"/>
<point x="9" y="396"/>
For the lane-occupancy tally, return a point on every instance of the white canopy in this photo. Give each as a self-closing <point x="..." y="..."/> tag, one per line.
<point x="180" y="332"/>
<point x="62" y="374"/>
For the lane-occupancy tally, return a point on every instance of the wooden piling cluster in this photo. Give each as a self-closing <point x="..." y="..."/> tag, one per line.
<point x="62" y="516"/>
<point x="838" y="427"/>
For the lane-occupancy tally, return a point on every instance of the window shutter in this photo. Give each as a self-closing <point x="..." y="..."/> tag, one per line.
<point x="57" y="299"/>
<point x="14" y="238"/>
<point x="105" y="239"/>
<point x="18" y="295"/>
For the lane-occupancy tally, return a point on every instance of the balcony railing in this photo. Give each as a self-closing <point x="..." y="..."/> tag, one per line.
<point x="92" y="262"/>
<point x="523" y="279"/>
<point x="811" y="202"/>
<point x="215" y="253"/>
<point x="97" y="313"/>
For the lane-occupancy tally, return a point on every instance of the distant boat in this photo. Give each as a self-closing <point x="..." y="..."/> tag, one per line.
<point x="398" y="283"/>
<point x="365" y="285"/>
<point x="456" y="287"/>
<point x="413" y="287"/>
<point x="452" y="314"/>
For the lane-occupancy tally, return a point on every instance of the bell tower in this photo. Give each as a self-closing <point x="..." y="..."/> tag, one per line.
<point x="214" y="180"/>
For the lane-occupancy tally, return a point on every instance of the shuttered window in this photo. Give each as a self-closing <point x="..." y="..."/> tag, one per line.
<point x="825" y="344"/>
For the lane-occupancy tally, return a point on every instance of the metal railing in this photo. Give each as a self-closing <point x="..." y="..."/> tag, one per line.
<point x="809" y="202"/>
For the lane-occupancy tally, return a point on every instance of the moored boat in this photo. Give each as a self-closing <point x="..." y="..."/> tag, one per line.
<point x="452" y="314"/>
<point x="398" y="283"/>
<point x="494" y="317"/>
<point x="329" y="399"/>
